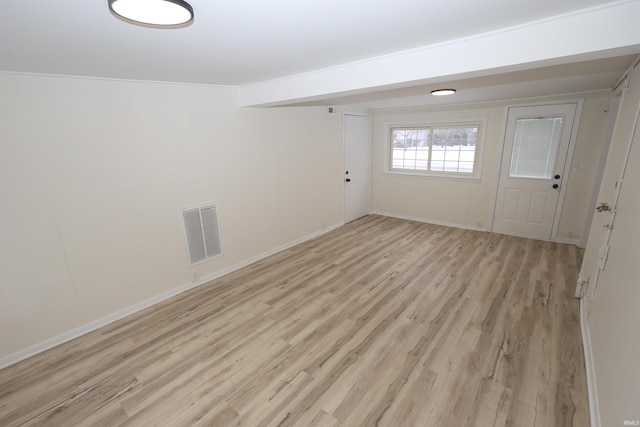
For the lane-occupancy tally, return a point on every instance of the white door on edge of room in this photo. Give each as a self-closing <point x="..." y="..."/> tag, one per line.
<point x="357" y="166"/>
<point x="533" y="169"/>
<point x="613" y="323"/>
<point x="616" y="175"/>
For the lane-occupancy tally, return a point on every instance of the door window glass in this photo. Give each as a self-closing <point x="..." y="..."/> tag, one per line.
<point x="535" y="146"/>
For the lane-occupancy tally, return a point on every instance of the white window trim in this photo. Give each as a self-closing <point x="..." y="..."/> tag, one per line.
<point x="449" y="176"/>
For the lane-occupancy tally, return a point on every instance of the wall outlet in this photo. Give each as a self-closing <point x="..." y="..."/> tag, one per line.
<point x="195" y="276"/>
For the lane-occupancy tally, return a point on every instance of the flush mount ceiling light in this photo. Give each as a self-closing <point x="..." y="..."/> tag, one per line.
<point x="443" y="92"/>
<point x="153" y="13"/>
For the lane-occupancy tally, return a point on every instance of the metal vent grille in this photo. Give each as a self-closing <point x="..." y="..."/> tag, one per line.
<point x="202" y="233"/>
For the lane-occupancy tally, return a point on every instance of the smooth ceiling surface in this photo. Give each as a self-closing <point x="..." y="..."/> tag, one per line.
<point x="570" y="78"/>
<point x="241" y="42"/>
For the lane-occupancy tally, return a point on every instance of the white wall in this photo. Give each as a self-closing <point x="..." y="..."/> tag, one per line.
<point x="93" y="174"/>
<point x="468" y="203"/>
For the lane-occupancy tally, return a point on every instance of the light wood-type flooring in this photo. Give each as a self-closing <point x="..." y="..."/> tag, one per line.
<point x="382" y="322"/>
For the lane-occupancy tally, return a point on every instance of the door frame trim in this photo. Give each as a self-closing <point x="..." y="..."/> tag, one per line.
<point x="579" y="102"/>
<point x="614" y="107"/>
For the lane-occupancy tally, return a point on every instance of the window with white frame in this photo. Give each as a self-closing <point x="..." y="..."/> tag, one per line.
<point x="445" y="150"/>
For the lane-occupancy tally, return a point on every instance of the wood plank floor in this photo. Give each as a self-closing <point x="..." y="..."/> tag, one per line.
<point x="382" y="322"/>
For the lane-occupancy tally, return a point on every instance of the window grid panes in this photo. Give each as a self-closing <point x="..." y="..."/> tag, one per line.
<point x="447" y="149"/>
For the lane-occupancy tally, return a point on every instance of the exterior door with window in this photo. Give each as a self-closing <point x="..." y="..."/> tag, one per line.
<point x="357" y="161"/>
<point x="533" y="169"/>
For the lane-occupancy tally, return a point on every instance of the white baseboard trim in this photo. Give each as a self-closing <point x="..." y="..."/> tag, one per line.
<point x="428" y="221"/>
<point x="567" y="240"/>
<point x="96" y="324"/>
<point x="592" y="389"/>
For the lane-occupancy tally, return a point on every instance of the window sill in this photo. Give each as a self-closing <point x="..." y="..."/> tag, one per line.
<point x="436" y="176"/>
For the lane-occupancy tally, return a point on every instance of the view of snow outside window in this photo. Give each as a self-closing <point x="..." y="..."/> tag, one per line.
<point x="434" y="149"/>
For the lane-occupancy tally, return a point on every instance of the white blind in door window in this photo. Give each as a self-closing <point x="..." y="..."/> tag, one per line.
<point x="534" y="147"/>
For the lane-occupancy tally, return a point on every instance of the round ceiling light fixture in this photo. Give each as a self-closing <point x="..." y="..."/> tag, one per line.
<point x="153" y="13"/>
<point x="443" y="92"/>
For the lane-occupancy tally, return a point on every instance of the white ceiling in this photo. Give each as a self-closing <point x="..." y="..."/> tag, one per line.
<point x="249" y="42"/>
<point x="572" y="78"/>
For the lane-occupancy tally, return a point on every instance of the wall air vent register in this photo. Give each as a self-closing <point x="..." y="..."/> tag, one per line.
<point x="201" y="232"/>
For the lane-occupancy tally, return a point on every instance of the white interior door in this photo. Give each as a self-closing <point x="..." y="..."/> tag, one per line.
<point x="604" y="219"/>
<point x="533" y="161"/>
<point x="614" y="323"/>
<point x="357" y="161"/>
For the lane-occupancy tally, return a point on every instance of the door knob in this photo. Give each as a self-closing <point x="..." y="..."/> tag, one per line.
<point x="348" y="180"/>
<point x="557" y="177"/>
<point x="555" y="186"/>
<point x="603" y="207"/>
